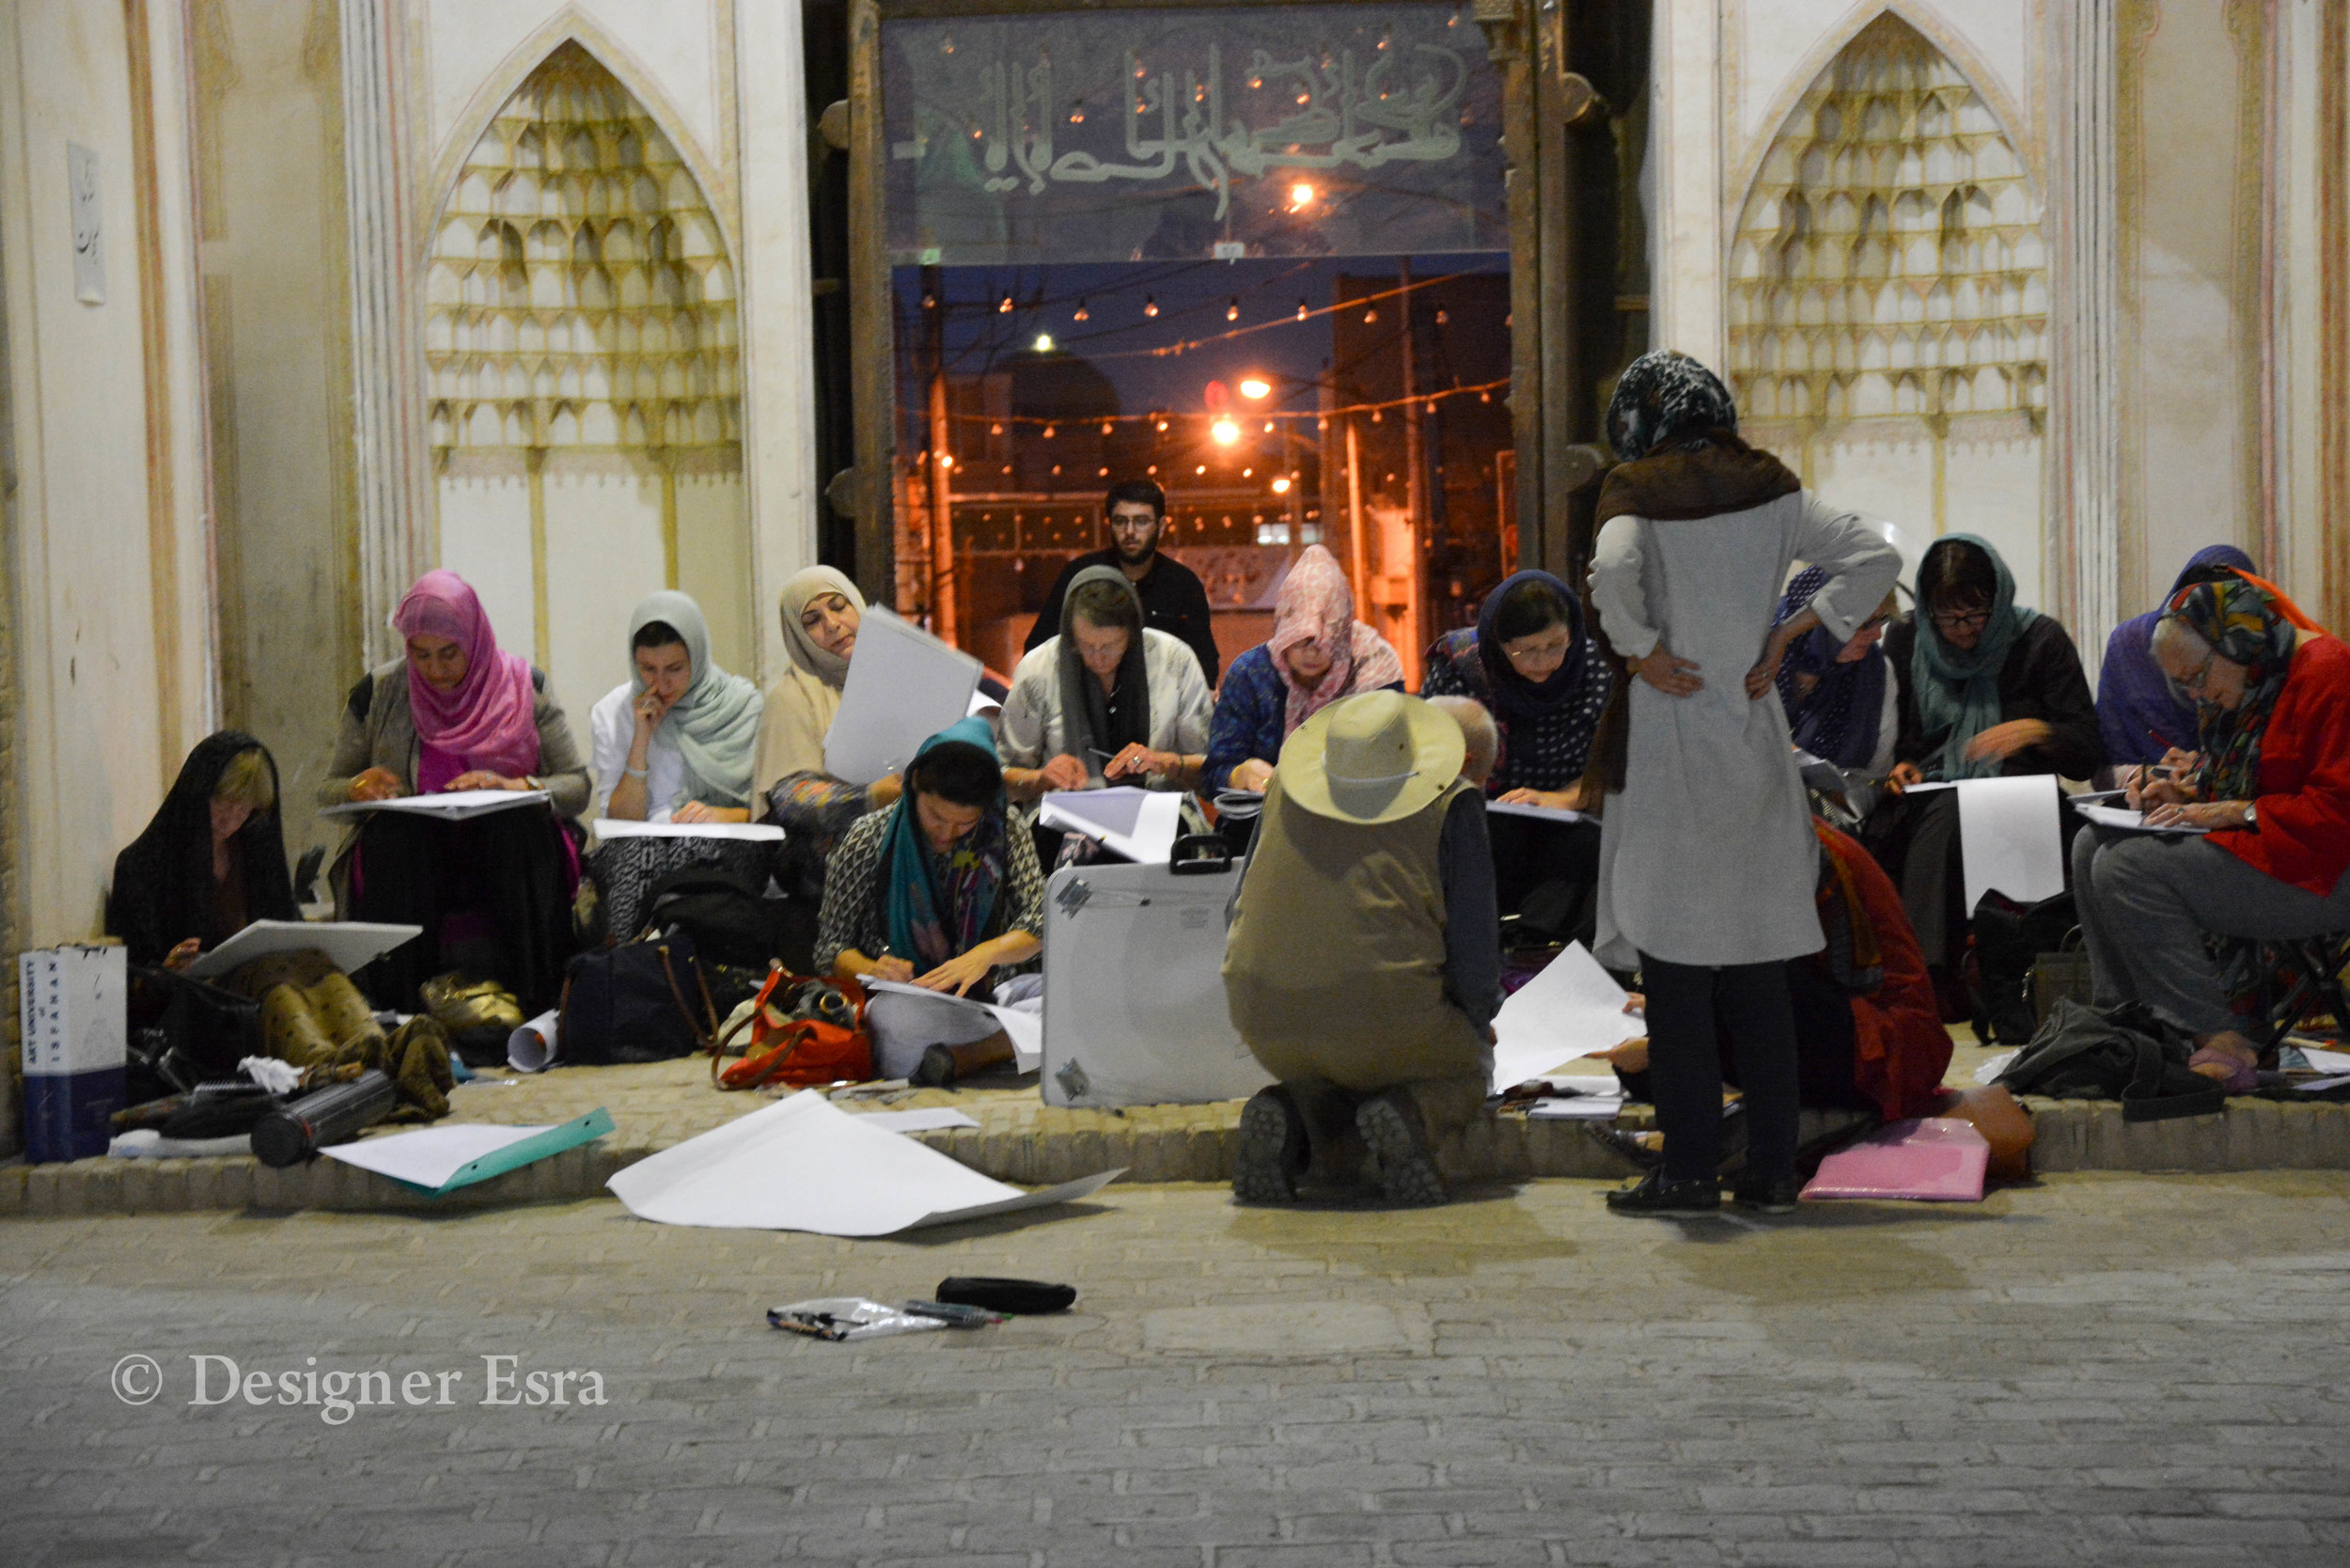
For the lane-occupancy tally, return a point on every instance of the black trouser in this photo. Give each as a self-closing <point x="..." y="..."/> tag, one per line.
<point x="1530" y="853"/>
<point x="1825" y="1043"/>
<point x="508" y="866"/>
<point x="1686" y="1069"/>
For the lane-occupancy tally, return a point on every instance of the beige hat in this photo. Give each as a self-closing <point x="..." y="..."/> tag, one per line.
<point x="1375" y="758"/>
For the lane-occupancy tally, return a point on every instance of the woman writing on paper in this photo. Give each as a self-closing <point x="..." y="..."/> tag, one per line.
<point x="1989" y="690"/>
<point x="1318" y="653"/>
<point x="1532" y="665"/>
<point x="2270" y="786"/>
<point x="1708" y="861"/>
<point x="940" y="890"/>
<point x="1107" y="700"/>
<point x="676" y="743"/>
<point x="458" y="712"/>
<point x="211" y="861"/>
<point x="822" y="611"/>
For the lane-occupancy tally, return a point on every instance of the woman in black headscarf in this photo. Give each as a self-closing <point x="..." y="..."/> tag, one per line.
<point x="211" y="861"/>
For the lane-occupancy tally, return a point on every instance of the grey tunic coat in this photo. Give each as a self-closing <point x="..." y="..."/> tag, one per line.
<point x="1707" y="857"/>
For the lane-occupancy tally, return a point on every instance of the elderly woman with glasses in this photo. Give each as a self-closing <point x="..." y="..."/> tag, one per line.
<point x="1989" y="689"/>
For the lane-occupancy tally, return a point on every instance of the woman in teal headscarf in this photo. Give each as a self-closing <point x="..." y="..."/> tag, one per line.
<point x="1988" y="689"/>
<point x="942" y="889"/>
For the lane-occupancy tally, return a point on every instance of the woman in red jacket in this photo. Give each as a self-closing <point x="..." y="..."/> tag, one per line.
<point x="2270" y="788"/>
<point x="1868" y="1033"/>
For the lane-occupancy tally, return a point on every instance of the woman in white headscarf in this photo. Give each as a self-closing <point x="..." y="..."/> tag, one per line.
<point x="822" y="611"/>
<point x="675" y="742"/>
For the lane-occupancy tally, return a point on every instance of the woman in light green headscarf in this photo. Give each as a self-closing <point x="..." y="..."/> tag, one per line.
<point x="692" y="727"/>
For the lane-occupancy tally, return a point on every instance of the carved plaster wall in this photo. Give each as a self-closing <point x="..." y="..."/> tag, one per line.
<point x="583" y="352"/>
<point x="1887" y="300"/>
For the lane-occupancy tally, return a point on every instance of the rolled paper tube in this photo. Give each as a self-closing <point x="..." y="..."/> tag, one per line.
<point x="531" y="1047"/>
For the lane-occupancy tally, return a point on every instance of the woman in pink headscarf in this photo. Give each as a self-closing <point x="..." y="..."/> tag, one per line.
<point x="1318" y="653"/>
<point x="455" y="711"/>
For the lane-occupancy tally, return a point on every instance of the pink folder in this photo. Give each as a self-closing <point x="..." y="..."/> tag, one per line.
<point x="1935" y="1158"/>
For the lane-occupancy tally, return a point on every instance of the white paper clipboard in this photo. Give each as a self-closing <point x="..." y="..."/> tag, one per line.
<point x="348" y="945"/>
<point x="454" y="805"/>
<point x="904" y="685"/>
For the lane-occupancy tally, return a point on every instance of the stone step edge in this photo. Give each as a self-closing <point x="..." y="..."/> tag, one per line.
<point x="2072" y="1136"/>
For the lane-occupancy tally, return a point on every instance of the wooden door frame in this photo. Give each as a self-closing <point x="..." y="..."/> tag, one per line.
<point x="1525" y="39"/>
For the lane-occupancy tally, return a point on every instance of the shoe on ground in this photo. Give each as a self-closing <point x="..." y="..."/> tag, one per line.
<point x="1272" y="1149"/>
<point x="1768" y="1196"/>
<point x="1408" y="1174"/>
<point x="1655" y="1197"/>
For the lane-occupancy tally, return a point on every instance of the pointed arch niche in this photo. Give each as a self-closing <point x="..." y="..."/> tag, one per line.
<point x="583" y="350"/>
<point x="1888" y="301"/>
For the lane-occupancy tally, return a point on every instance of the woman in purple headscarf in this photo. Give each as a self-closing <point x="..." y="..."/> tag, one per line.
<point x="2139" y="715"/>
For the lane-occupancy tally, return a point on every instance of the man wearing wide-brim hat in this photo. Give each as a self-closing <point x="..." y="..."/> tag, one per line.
<point x="1364" y="964"/>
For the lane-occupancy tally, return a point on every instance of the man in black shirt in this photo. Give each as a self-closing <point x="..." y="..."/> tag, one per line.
<point x="1173" y="600"/>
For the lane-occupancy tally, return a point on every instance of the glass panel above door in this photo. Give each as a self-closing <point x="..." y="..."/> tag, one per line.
<point x="1191" y="133"/>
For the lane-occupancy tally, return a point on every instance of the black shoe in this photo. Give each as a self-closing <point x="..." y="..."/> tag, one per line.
<point x="1273" y="1150"/>
<point x="1390" y="1125"/>
<point x="1775" y="1195"/>
<point x="1627" y="1147"/>
<point x="1654" y="1196"/>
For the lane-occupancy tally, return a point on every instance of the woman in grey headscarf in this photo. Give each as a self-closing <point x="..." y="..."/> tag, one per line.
<point x="675" y="742"/>
<point x="1707" y="857"/>
<point x="1109" y="700"/>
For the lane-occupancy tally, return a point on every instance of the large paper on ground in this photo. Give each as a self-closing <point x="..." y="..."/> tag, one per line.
<point x="803" y="1163"/>
<point x="1140" y="825"/>
<point x="439" y="1160"/>
<point x="904" y="686"/>
<point x="1571" y="1009"/>
<point x="348" y="945"/>
<point x="2008" y="830"/>
<point x="455" y="806"/>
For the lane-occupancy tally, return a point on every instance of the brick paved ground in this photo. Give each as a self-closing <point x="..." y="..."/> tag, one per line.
<point x="2101" y="1369"/>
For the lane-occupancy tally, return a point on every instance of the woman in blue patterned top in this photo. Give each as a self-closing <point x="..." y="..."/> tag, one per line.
<point x="1541" y="676"/>
<point x="1318" y="653"/>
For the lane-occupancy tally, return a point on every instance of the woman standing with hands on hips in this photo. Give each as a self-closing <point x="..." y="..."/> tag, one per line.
<point x="1707" y="856"/>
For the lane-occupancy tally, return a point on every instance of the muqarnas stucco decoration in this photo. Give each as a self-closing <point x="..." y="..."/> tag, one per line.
<point x="1888" y="259"/>
<point x="579" y="294"/>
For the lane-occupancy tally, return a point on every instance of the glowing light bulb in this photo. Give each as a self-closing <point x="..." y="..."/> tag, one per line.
<point x="1149" y="304"/>
<point x="946" y="459"/>
<point x="1301" y="197"/>
<point x="1083" y="314"/>
<point x="1231" y="311"/>
<point x="1255" y="386"/>
<point x="1370" y="316"/>
<point x="1281" y="486"/>
<point x="1302" y="311"/>
<point x="1225" y="431"/>
<point x="1004" y="306"/>
<point x="1044" y="342"/>
<point x="1048" y="432"/>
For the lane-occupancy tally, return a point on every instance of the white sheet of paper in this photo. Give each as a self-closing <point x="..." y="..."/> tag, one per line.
<point x="430" y="1156"/>
<point x="922" y="1118"/>
<point x="348" y="945"/>
<point x="2324" y="1060"/>
<point x="1987" y="1072"/>
<point x="2309" y="1086"/>
<point x="1929" y="788"/>
<point x="2012" y="838"/>
<point x="981" y="704"/>
<point x="453" y="806"/>
<point x="1541" y="813"/>
<point x="1571" y="1009"/>
<point x="1138" y="824"/>
<point x="2127" y="820"/>
<point x="803" y="1163"/>
<point x="1026" y="1028"/>
<point x="904" y="685"/>
<point x="749" y="833"/>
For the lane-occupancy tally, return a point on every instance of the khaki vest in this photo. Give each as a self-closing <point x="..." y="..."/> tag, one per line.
<point x="1341" y="935"/>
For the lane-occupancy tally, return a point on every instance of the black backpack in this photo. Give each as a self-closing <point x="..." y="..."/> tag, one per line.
<point x="729" y="921"/>
<point x="2010" y="938"/>
<point x="641" y="1001"/>
<point x="2124" y="1053"/>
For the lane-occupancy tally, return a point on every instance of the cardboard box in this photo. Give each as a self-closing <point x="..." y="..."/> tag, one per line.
<point x="74" y="1036"/>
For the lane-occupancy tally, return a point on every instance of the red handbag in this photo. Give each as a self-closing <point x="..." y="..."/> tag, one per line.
<point x="800" y="1052"/>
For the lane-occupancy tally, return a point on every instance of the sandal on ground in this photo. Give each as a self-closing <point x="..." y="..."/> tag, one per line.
<point x="2243" y="1077"/>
